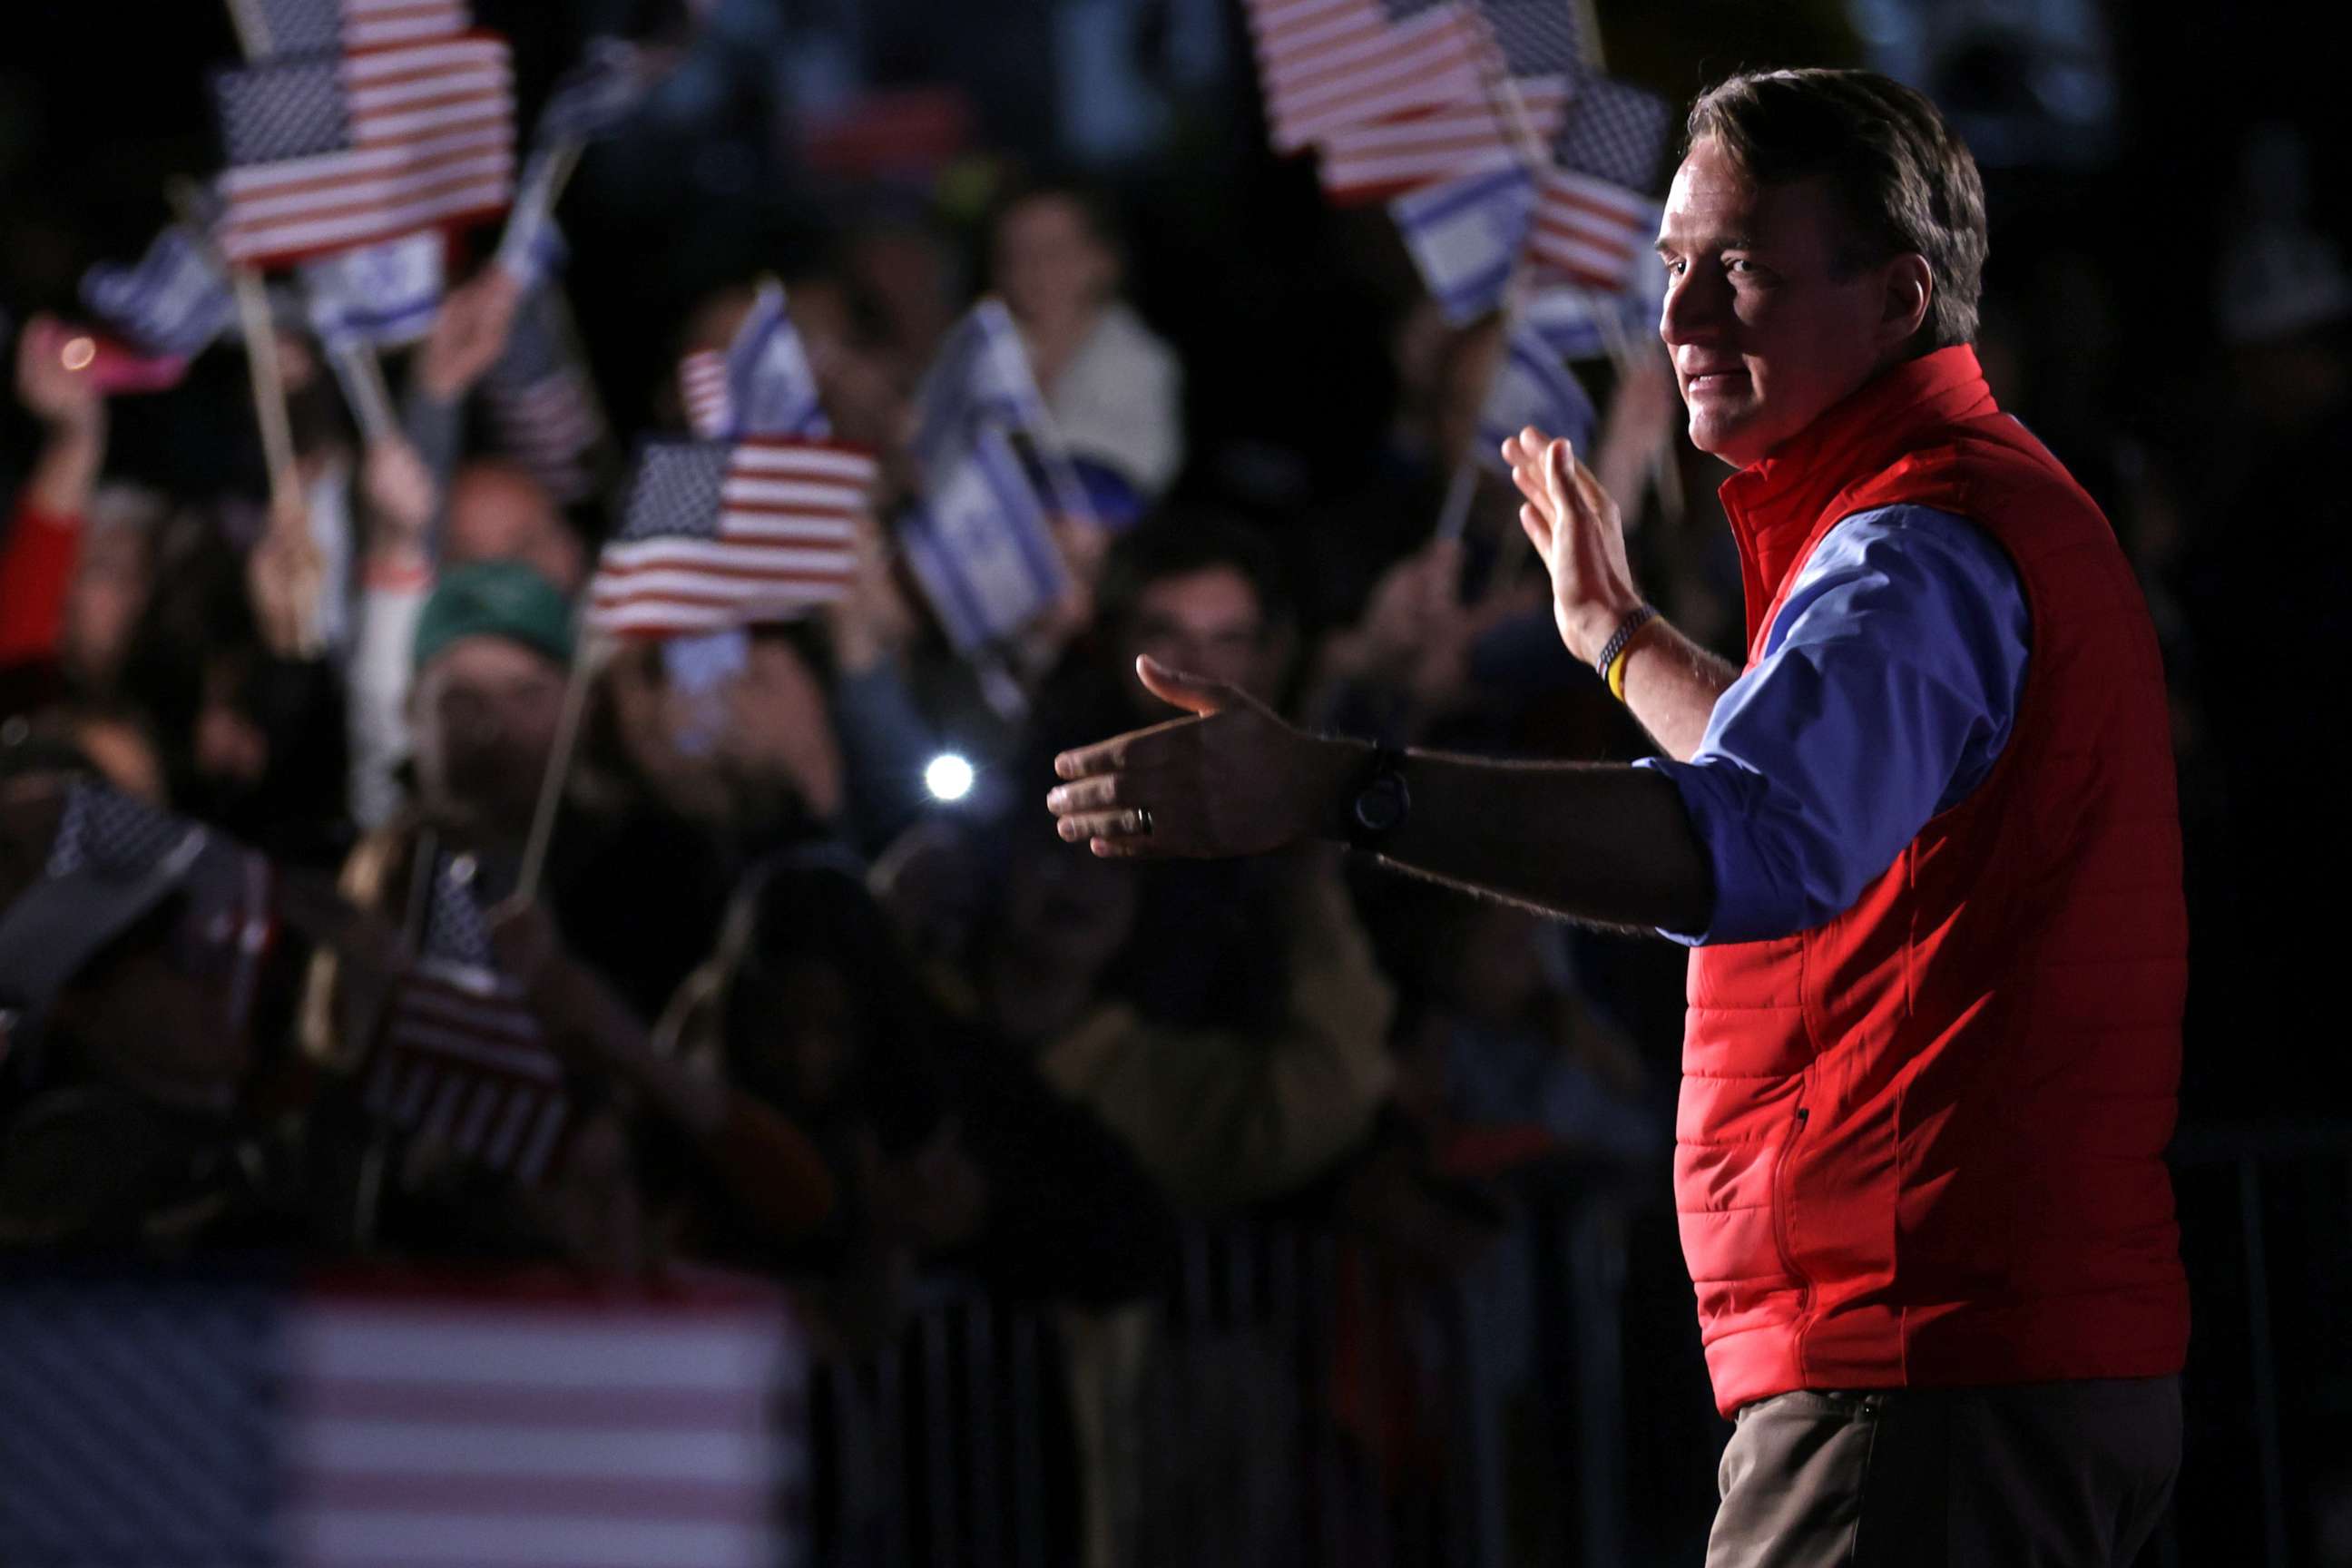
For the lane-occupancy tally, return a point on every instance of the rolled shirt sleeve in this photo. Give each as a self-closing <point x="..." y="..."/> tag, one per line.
<point x="1886" y="690"/>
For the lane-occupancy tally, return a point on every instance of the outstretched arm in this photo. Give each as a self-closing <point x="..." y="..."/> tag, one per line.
<point x="1593" y="842"/>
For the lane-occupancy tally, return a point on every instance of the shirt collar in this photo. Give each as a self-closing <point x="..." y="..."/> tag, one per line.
<point x="1775" y="502"/>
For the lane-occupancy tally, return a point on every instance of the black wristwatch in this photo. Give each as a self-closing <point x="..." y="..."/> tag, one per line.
<point x="1379" y="802"/>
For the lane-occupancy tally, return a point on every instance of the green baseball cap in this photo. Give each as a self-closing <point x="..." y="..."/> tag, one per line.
<point x="498" y="599"/>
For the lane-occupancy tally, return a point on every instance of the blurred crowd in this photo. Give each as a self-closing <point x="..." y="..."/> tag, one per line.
<point x="815" y="1021"/>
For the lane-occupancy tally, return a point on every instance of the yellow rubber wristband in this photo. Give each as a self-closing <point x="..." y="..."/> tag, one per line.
<point x="1617" y="665"/>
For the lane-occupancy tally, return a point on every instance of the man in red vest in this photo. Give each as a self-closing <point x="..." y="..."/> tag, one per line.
<point x="1923" y="848"/>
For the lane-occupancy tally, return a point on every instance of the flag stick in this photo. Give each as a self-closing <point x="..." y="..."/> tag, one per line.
<point x="362" y="375"/>
<point x="268" y="389"/>
<point x="585" y="660"/>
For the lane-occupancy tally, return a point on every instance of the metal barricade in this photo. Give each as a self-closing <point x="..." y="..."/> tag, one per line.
<point x="1292" y="1400"/>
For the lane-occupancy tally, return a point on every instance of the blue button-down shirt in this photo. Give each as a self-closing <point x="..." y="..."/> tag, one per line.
<point x="1886" y="693"/>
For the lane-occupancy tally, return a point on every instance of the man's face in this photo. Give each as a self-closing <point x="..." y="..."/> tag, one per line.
<point x="1206" y="623"/>
<point x="1765" y="327"/>
<point x="487" y="711"/>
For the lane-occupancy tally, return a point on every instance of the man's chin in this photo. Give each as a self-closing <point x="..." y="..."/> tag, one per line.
<point x="1727" y="440"/>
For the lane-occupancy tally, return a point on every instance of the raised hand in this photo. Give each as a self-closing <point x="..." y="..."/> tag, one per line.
<point x="61" y="394"/>
<point x="284" y="573"/>
<point x="469" y="334"/>
<point x="1576" y="529"/>
<point x="1232" y="779"/>
<point x="401" y="496"/>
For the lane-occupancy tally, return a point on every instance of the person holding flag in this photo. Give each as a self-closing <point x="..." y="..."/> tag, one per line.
<point x="1925" y="848"/>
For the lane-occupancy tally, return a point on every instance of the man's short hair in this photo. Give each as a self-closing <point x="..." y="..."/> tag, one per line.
<point x="1904" y="180"/>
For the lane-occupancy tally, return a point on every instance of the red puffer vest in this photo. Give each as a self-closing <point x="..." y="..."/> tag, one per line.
<point x="1923" y="1144"/>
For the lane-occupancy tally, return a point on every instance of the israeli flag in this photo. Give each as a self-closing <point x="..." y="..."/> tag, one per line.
<point x="978" y="544"/>
<point x="1534" y="387"/>
<point x="380" y="296"/>
<point x="1465" y="236"/>
<point x="770" y="390"/>
<point x="994" y="473"/>
<point x="174" y="302"/>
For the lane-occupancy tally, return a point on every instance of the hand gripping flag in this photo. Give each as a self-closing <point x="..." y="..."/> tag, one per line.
<point x="726" y="534"/>
<point x="1592" y="221"/>
<point x="174" y="302"/>
<point x="328" y="152"/>
<point x="461" y="1059"/>
<point x="761" y="385"/>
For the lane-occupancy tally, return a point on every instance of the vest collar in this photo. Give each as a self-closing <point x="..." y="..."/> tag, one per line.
<point x="1775" y="502"/>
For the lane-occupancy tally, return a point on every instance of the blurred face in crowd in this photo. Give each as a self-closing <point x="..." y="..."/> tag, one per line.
<point x="1207" y="623"/>
<point x="1050" y="266"/>
<point x="860" y="387"/>
<point x="779" y="728"/>
<point x="498" y="512"/>
<point x="1768" y="321"/>
<point x="1066" y="912"/>
<point x="485" y="721"/>
<point x="103" y="604"/>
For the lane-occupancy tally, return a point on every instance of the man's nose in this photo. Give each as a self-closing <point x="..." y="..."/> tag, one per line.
<point x="1693" y="313"/>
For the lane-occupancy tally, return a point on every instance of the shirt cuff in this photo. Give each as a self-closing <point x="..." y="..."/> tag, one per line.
<point x="1751" y="904"/>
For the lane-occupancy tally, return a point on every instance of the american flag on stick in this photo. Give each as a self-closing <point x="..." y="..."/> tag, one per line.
<point x="1326" y="65"/>
<point x="542" y="403"/>
<point x="327" y="153"/>
<point x="1592" y="221"/>
<point x="722" y="534"/>
<point x="461" y="1059"/>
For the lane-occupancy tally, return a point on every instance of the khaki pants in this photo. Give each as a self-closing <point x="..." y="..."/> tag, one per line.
<point x="2059" y="1475"/>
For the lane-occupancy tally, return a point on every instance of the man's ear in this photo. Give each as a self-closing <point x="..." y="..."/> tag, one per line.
<point x="1909" y="285"/>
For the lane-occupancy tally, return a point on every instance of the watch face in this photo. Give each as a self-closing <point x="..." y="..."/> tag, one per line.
<point x="1381" y="805"/>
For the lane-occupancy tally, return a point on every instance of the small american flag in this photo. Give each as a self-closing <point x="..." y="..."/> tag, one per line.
<point x="462" y="1060"/>
<point x="543" y="402"/>
<point x="721" y="534"/>
<point x="1326" y="65"/>
<point x="327" y="153"/>
<point x="174" y="301"/>
<point x="304" y="27"/>
<point x="1592" y="223"/>
<point x="761" y="385"/>
<point x="1410" y="152"/>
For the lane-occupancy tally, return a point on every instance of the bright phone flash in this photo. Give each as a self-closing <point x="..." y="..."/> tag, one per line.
<point x="948" y="777"/>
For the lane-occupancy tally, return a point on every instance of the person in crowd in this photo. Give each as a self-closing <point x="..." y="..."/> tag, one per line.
<point x="950" y="1150"/>
<point x="1115" y="390"/>
<point x="49" y="618"/>
<point x="1916" y="1007"/>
